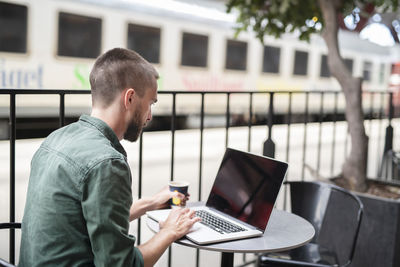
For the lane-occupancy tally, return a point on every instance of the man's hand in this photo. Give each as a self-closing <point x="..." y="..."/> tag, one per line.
<point x="161" y="199"/>
<point x="158" y="201"/>
<point x="179" y="222"/>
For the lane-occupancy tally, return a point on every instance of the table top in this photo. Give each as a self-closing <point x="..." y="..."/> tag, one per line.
<point x="284" y="231"/>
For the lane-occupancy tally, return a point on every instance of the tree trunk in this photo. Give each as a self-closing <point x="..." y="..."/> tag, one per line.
<point x="355" y="166"/>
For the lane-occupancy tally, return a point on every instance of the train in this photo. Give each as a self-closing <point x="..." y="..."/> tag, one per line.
<point x="52" y="44"/>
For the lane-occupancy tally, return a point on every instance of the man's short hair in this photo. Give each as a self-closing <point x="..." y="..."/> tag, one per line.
<point x="116" y="70"/>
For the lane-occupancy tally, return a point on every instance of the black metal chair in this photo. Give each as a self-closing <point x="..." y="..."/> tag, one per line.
<point x="4" y="263"/>
<point x="336" y="216"/>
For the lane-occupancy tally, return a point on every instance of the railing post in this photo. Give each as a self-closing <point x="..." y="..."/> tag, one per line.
<point x="62" y="110"/>
<point x="386" y="158"/>
<point x="305" y="136"/>
<point x="227" y="124"/>
<point x="200" y="163"/>
<point x="389" y="129"/>
<point x="201" y="145"/>
<point x="13" y="137"/>
<point x="139" y="226"/>
<point x="249" y="123"/>
<point x="172" y="157"/>
<point x="269" y="145"/>
<point x="334" y="132"/>
<point x="321" y="119"/>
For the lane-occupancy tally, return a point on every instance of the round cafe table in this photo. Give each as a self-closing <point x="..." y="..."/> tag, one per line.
<point x="284" y="231"/>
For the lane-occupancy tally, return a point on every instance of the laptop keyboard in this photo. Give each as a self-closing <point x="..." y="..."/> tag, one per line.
<point x="218" y="224"/>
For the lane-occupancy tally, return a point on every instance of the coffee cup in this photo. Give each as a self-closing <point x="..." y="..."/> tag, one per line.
<point x="181" y="187"/>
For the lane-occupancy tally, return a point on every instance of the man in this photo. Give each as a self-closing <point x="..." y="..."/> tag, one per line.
<point x="79" y="200"/>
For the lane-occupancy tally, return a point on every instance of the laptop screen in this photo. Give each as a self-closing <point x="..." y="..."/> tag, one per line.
<point x="247" y="186"/>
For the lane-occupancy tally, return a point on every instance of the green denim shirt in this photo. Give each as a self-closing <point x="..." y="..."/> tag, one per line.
<point x="78" y="200"/>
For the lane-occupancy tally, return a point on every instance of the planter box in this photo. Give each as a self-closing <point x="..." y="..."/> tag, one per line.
<point x="379" y="239"/>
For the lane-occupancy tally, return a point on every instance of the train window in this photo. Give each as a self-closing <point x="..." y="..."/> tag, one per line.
<point x="367" y="67"/>
<point x="349" y="64"/>
<point x="13" y="30"/>
<point x="271" y="59"/>
<point x="146" y="41"/>
<point x="78" y="36"/>
<point x="324" y="72"/>
<point x="194" y="50"/>
<point x="236" y="55"/>
<point x="325" y="69"/>
<point x="300" y="63"/>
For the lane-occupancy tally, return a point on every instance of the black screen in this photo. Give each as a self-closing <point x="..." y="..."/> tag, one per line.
<point x="246" y="187"/>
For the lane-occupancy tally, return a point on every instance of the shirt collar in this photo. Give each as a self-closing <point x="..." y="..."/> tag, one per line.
<point x="105" y="130"/>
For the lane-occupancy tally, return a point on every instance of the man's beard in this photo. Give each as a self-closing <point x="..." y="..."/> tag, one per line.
<point x="134" y="130"/>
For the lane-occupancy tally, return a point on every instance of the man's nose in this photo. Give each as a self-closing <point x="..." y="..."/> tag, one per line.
<point x="149" y="116"/>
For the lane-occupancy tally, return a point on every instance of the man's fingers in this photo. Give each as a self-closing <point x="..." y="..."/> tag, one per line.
<point x="185" y="211"/>
<point x="192" y="221"/>
<point x="179" y="211"/>
<point x="196" y="219"/>
<point x="179" y="195"/>
<point x="192" y="213"/>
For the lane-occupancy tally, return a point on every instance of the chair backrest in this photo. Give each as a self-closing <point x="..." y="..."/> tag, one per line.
<point x="335" y="214"/>
<point x="309" y="200"/>
<point x="12" y="225"/>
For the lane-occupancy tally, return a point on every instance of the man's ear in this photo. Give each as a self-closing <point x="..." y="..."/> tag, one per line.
<point x="129" y="97"/>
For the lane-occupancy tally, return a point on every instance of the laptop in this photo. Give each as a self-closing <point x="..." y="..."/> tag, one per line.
<point x="241" y="199"/>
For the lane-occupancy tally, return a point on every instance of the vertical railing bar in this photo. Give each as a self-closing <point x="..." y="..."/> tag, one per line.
<point x="288" y="126"/>
<point x="388" y="144"/>
<point x="13" y="137"/>
<point x="201" y="145"/>
<point x="249" y="140"/>
<point x="200" y="163"/>
<point x="380" y="115"/>
<point x="140" y="183"/>
<point x="227" y="119"/>
<point x="62" y="110"/>
<point x="172" y="156"/>
<point x="321" y="113"/>
<point x="287" y="145"/>
<point x="305" y="135"/>
<point x="270" y="115"/>
<point x="250" y="122"/>
<point x="269" y="145"/>
<point x="335" y="108"/>
<point x="371" y="112"/>
<point x="386" y="172"/>
<point x="346" y="141"/>
<point x="173" y="135"/>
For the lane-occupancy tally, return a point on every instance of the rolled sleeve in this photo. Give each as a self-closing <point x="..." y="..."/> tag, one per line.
<point x="106" y="200"/>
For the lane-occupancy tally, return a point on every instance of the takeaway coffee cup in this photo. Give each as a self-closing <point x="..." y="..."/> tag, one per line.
<point x="181" y="187"/>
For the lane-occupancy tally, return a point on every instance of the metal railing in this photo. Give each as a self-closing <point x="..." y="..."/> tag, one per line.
<point x="371" y="110"/>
